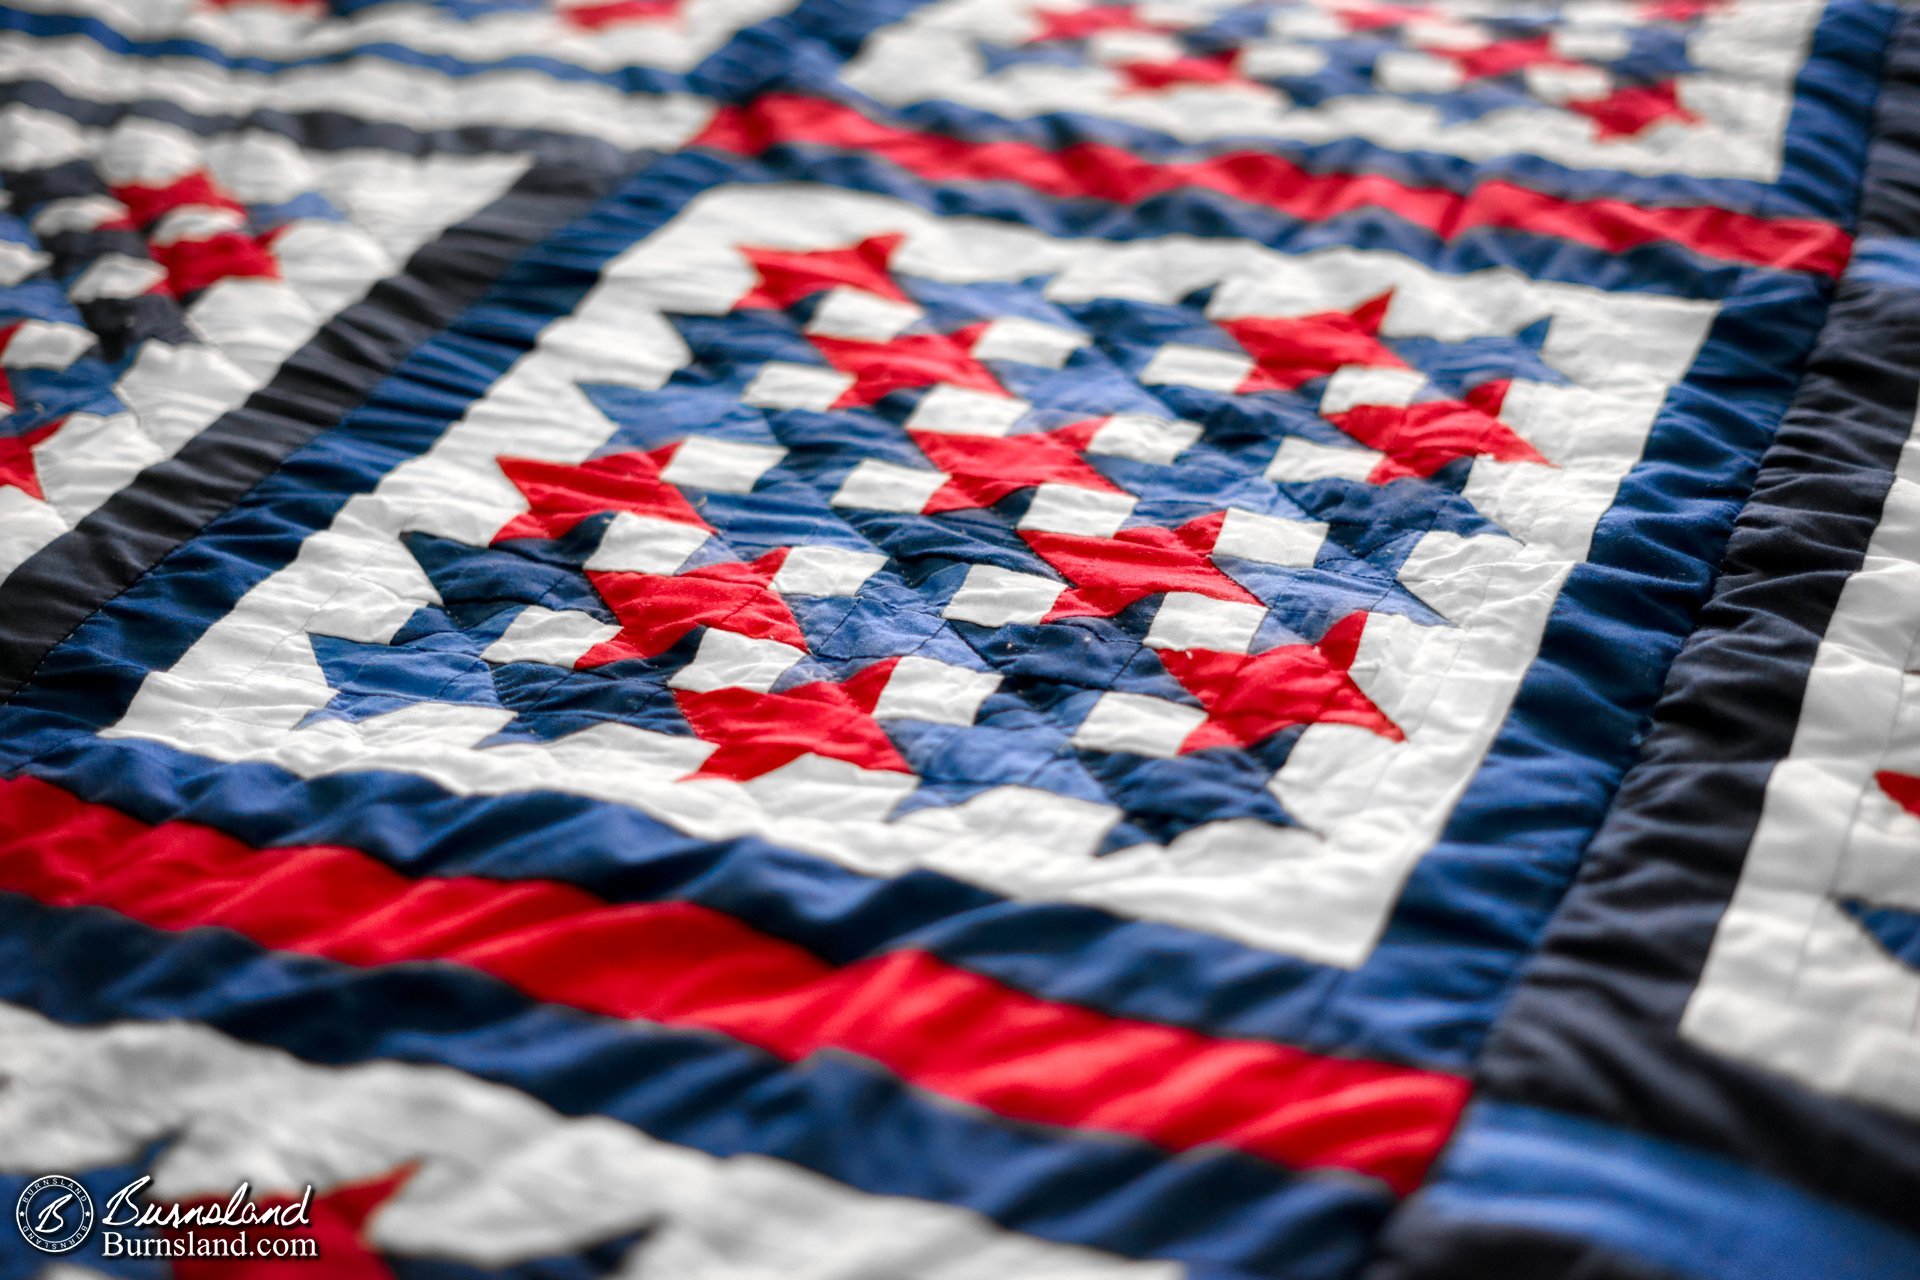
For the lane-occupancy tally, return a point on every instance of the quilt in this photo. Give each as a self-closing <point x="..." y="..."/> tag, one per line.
<point x="960" y="639"/>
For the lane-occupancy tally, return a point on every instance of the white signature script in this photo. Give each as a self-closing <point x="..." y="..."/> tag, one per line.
<point x="238" y="1211"/>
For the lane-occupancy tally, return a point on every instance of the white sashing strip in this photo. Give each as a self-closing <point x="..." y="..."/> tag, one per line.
<point x="501" y="1177"/>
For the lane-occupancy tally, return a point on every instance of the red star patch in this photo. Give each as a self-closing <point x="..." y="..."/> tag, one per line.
<point x="1078" y="24"/>
<point x="1421" y="438"/>
<point x="1289" y="351"/>
<point x="758" y="732"/>
<point x="561" y="496"/>
<point x="1250" y="698"/>
<point x="1629" y="111"/>
<point x="985" y="469"/>
<point x="613" y="13"/>
<point x="193" y="265"/>
<point x="657" y="610"/>
<point x="786" y="277"/>
<point x="1375" y="17"/>
<point x="1676" y="10"/>
<point x="1211" y="68"/>
<point x="17" y="469"/>
<point x="1109" y="574"/>
<point x="909" y="361"/>
<point x="1901" y="788"/>
<point x="147" y="204"/>
<point x="1505" y="57"/>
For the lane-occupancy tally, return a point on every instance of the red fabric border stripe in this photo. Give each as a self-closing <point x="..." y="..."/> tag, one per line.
<point x="1109" y="173"/>
<point x="939" y="1027"/>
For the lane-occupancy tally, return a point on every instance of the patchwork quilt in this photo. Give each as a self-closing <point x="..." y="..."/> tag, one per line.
<point x="960" y="639"/>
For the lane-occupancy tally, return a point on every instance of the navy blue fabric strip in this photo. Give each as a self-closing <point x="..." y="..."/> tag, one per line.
<point x="1615" y="1204"/>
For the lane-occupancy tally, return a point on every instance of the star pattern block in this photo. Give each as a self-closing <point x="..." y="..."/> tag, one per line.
<point x="759" y="724"/>
<point x="775" y="652"/>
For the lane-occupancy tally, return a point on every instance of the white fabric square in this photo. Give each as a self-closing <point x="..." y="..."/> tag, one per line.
<point x="1121" y="45"/>
<point x="1061" y="508"/>
<point x="728" y="660"/>
<point x="18" y="261"/>
<point x="780" y="385"/>
<point x="963" y="411"/>
<point x="148" y="153"/>
<point x="1301" y="460"/>
<point x="924" y="689"/>
<point x="45" y="344"/>
<point x="826" y="571"/>
<point x="1183" y="15"/>
<point x="1355" y="384"/>
<point x="1276" y="59"/>
<point x="92" y="456"/>
<point x="1292" y="543"/>
<point x="993" y="597"/>
<point x="855" y="313"/>
<point x="887" y="486"/>
<point x="1307" y="23"/>
<point x="196" y="222"/>
<point x="1567" y="84"/>
<point x="1598" y="13"/>
<point x="1446" y="33"/>
<point x="555" y="636"/>
<point x="1592" y="43"/>
<point x="1144" y="438"/>
<point x="1028" y="341"/>
<point x="1416" y="73"/>
<point x="115" y="275"/>
<point x="1208" y="368"/>
<point x="643" y="544"/>
<point x="1190" y="621"/>
<point x="26" y="525"/>
<point x="724" y="466"/>
<point x="1141" y="725"/>
<point x="75" y="213"/>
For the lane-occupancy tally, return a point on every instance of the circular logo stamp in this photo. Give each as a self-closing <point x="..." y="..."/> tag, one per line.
<point x="54" y="1214"/>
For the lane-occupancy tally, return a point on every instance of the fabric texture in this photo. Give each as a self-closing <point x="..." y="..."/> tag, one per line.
<point x="717" y="639"/>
